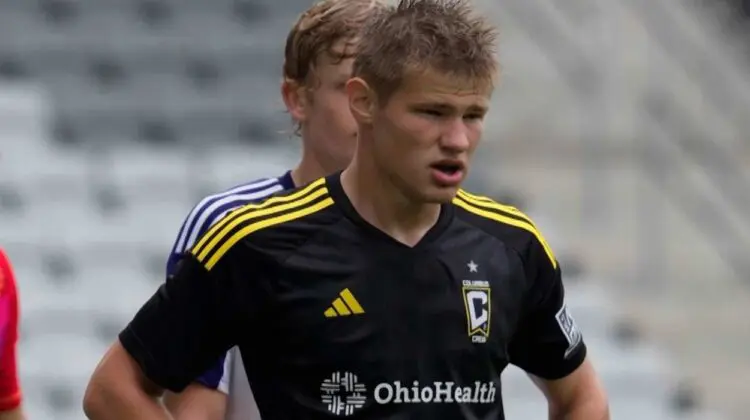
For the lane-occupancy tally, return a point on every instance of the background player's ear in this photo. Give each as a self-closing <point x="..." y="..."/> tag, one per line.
<point x="295" y="98"/>
<point x="361" y="100"/>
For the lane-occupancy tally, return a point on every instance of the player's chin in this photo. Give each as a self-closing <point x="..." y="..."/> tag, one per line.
<point x="440" y="194"/>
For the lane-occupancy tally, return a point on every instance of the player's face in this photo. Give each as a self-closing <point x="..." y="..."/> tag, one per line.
<point x="425" y="135"/>
<point x="329" y="128"/>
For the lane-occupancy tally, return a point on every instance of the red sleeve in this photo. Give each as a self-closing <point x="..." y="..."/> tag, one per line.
<point x="10" y="392"/>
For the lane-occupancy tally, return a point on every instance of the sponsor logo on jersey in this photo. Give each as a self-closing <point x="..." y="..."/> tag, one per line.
<point x="436" y="392"/>
<point x="343" y="393"/>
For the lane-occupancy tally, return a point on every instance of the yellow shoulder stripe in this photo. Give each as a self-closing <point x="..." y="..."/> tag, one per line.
<point x="267" y="204"/>
<point x="285" y="204"/>
<point x="227" y="243"/>
<point x="483" y="201"/>
<point x="523" y="222"/>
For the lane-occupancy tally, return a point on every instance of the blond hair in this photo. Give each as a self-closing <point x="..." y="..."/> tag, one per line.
<point x="417" y="35"/>
<point x="320" y="28"/>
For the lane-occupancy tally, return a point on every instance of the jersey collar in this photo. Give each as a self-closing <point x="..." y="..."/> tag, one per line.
<point x="286" y="181"/>
<point x="342" y="201"/>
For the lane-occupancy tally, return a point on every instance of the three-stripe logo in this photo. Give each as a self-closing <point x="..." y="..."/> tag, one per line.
<point x="344" y="305"/>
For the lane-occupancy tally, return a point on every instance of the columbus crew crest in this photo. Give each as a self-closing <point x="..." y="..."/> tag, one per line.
<point x="477" y="297"/>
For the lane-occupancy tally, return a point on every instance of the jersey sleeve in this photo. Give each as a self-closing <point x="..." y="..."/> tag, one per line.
<point x="200" y="218"/>
<point x="197" y="222"/>
<point x="547" y="343"/>
<point x="218" y="376"/>
<point x="10" y="392"/>
<point x="195" y="317"/>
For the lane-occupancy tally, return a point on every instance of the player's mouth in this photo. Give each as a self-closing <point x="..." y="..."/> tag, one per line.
<point x="448" y="172"/>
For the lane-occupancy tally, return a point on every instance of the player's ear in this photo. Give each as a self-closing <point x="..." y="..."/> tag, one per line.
<point x="361" y="100"/>
<point x="295" y="97"/>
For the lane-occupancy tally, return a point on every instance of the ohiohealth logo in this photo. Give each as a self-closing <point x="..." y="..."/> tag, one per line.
<point x="342" y="393"/>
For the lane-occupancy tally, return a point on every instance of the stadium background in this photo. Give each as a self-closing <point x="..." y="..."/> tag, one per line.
<point x="621" y="127"/>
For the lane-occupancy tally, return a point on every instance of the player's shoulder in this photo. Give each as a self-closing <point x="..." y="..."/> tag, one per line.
<point x="502" y="221"/>
<point x="238" y="195"/>
<point x="277" y="223"/>
<point x="286" y="209"/>
<point x="214" y="206"/>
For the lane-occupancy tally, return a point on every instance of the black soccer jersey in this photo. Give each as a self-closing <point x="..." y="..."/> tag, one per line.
<point x="334" y="318"/>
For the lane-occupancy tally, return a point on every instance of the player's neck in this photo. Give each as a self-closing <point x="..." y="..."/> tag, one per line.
<point x="384" y="206"/>
<point x="308" y="170"/>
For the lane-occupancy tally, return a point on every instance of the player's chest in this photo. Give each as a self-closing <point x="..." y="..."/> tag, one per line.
<point x="400" y="306"/>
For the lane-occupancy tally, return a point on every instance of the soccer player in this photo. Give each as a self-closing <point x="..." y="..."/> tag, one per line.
<point x="10" y="392"/>
<point x="318" y="62"/>
<point x="383" y="291"/>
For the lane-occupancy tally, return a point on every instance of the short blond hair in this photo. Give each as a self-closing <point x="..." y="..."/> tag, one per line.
<point x="417" y="35"/>
<point x="320" y="28"/>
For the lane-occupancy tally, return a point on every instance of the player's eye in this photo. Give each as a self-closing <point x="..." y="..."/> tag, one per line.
<point x="431" y="112"/>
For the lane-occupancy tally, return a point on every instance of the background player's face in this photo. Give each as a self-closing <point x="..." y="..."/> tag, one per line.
<point x="425" y="135"/>
<point x="328" y="128"/>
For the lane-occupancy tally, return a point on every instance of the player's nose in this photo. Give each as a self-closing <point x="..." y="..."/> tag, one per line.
<point x="455" y="137"/>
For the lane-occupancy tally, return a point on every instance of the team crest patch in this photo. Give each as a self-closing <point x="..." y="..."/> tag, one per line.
<point x="569" y="329"/>
<point x="477" y="303"/>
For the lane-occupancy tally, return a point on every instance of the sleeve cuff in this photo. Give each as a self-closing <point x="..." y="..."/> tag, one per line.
<point x="152" y="370"/>
<point x="569" y="365"/>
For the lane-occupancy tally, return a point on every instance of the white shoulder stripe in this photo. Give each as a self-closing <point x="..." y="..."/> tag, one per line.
<point x="208" y="205"/>
<point x="204" y="202"/>
<point x="240" y="199"/>
<point x="249" y="187"/>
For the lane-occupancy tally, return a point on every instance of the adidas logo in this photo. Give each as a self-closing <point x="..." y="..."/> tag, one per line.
<point x="344" y="305"/>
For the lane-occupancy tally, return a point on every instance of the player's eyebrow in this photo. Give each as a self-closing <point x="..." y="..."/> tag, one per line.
<point x="448" y="108"/>
<point x="441" y="106"/>
<point x="478" y="109"/>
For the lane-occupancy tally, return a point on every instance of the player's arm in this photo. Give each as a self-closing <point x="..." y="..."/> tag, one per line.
<point x="119" y="389"/>
<point x="10" y="391"/>
<point x="577" y="396"/>
<point x="184" y="328"/>
<point x="549" y="346"/>
<point x="205" y="398"/>
<point x="197" y="402"/>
